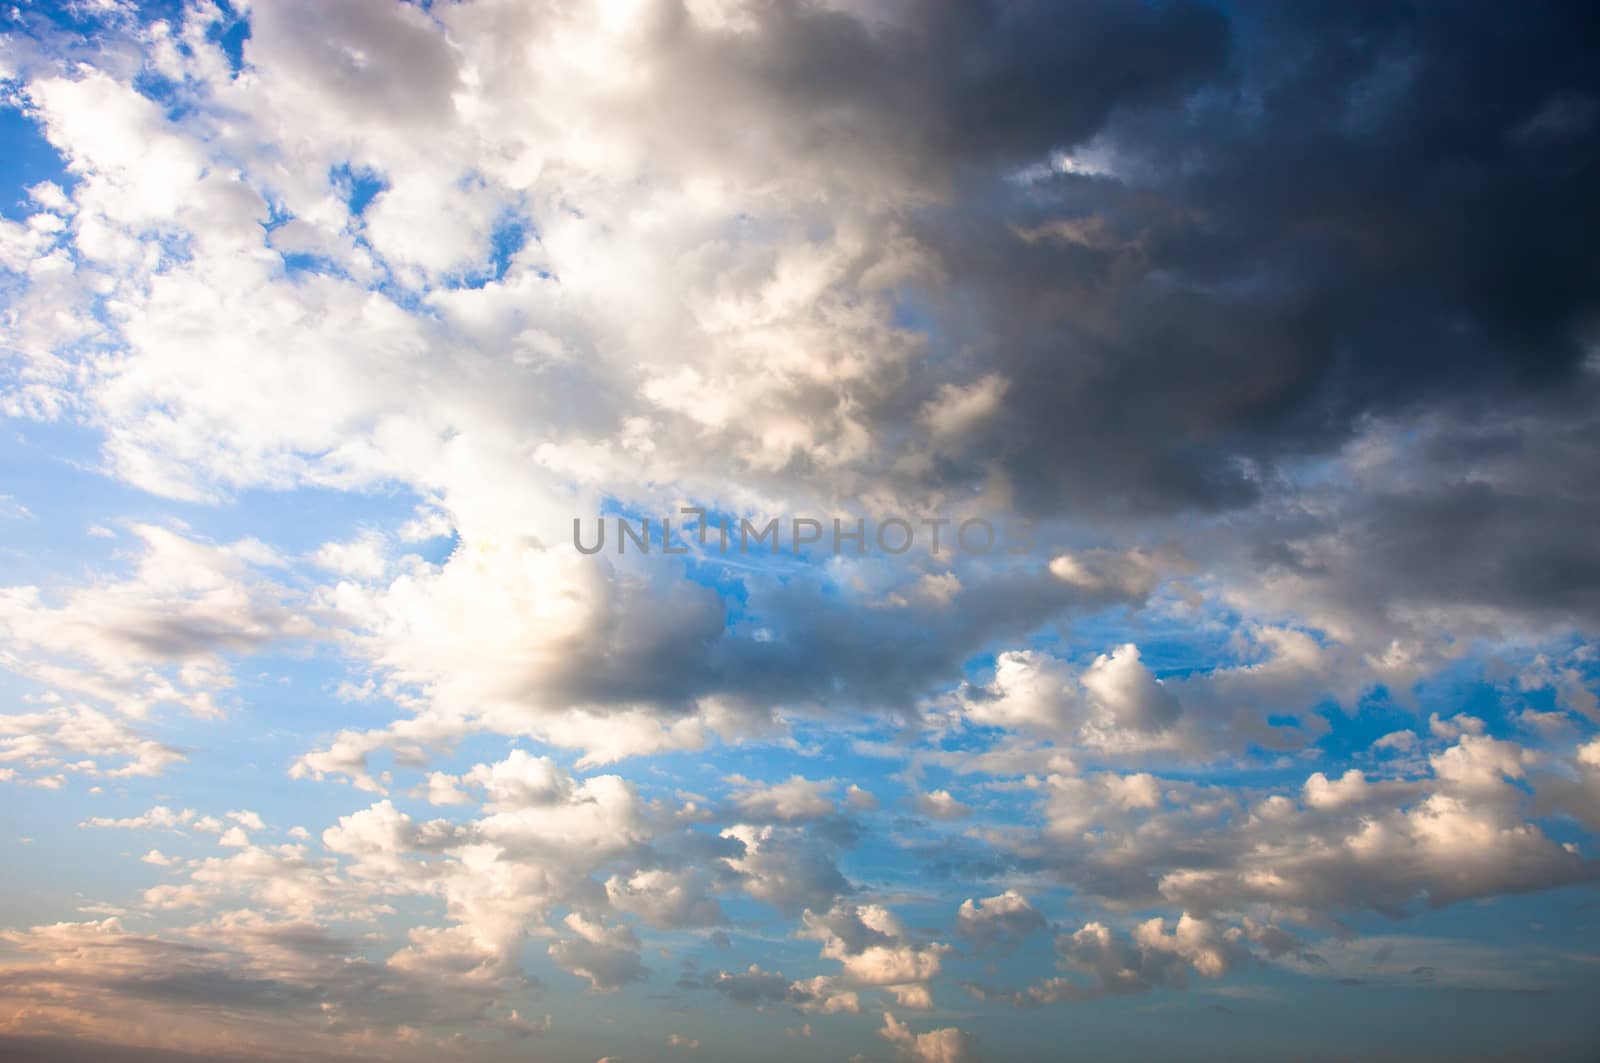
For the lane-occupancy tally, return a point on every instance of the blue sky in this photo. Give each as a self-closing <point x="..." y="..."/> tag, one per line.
<point x="323" y="323"/>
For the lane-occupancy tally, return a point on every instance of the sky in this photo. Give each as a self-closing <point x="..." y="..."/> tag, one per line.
<point x="1174" y="424"/>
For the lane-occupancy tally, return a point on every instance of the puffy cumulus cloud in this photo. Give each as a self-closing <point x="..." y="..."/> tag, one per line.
<point x="1082" y="812"/>
<point x="1459" y="824"/>
<point x="860" y="799"/>
<point x="1195" y="941"/>
<point x="825" y="995"/>
<point x="134" y="166"/>
<point x="1138" y="790"/>
<point x="513" y="632"/>
<point x="795" y="799"/>
<point x="1397" y="741"/>
<point x="1352" y="790"/>
<point x="1573" y="692"/>
<point x="601" y="816"/>
<point x="754" y="987"/>
<point x="1029" y="691"/>
<point x="379" y="837"/>
<point x="1150" y="958"/>
<point x="875" y="950"/>
<point x="1266" y="692"/>
<point x="1480" y="765"/>
<point x="948" y="1044"/>
<point x="348" y="755"/>
<point x="542" y="841"/>
<point x="666" y="899"/>
<point x="608" y="956"/>
<point x="1116" y="701"/>
<point x="1452" y="842"/>
<point x="520" y="781"/>
<point x="1103" y="962"/>
<point x="289" y="879"/>
<point x="1001" y="922"/>
<point x="619" y="657"/>
<point x="1572" y="787"/>
<point x="792" y="870"/>
<point x="940" y="804"/>
<point x="1127" y="694"/>
<point x="363" y="558"/>
<point x="529" y="803"/>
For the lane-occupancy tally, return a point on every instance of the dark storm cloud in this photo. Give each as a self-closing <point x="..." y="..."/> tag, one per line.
<point x="807" y="645"/>
<point x="1485" y="506"/>
<point x="974" y="83"/>
<point x="1370" y="210"/>
<point x="826" y="650"/>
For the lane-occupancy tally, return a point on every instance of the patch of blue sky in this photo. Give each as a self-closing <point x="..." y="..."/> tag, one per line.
<point x="90" y="20"/>
<point x="282" y="699"/>
<point x="359" y="185"/>
<point x="413" y="301"/>
<point x="229" y="33"/>
<point x="49" y="469"/>
<point x="720" y="537"/>
<point x="313" y="515"/>
<point x="509" y="236"/>
<point x="158" y="88"/>
<point x="299" y="262"/>
<point x="1170" y="646"/>
<point x="28" y="159"/>
<point x="295" y="262"/>
<point x="709" y="564"/>
<point x="49" y="859"/>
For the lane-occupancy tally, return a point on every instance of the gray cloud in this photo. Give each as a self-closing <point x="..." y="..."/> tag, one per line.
<point x="1385" y="222"/>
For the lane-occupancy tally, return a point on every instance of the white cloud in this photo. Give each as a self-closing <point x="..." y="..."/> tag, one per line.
<point x="957" y="411"/>
<point x="794" y="800"/>
<point x="946" y="1045"/>
<point x="666" y="899"/>
<point x="607" y="956"/>
<point x="1002" y="921"/>
<point x="784" y="867"/>
<point x="941" y="805"/>
<point x="363" y="558"/>
<point x="1124" y="689"/>
<point x="875" y="950"/>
